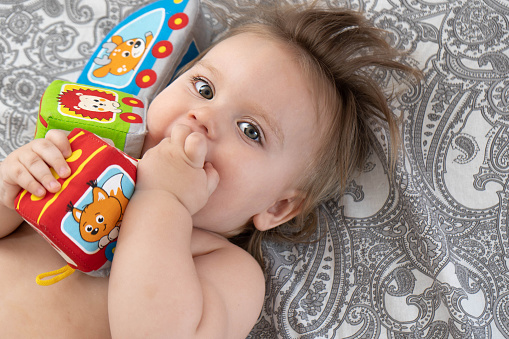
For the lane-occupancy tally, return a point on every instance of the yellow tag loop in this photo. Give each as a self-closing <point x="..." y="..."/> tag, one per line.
<point x="54" y="276"/>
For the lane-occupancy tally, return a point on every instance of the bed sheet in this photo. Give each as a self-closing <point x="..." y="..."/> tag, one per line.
<point x="421" y="252"/>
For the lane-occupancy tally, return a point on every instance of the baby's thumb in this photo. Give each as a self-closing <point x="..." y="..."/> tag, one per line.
<point x="195" y="147"/>
<point x="212" y="177"/>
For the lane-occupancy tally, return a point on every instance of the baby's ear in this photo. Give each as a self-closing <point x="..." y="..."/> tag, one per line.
<point x="280" y="212"/>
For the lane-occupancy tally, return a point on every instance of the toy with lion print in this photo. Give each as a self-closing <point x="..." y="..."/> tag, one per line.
<point x="105" y="114"/>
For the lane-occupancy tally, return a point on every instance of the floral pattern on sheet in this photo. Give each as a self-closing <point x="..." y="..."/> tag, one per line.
<point x="419" y="253"/>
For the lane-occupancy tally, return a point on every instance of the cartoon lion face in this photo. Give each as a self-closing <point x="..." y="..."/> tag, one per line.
<point x="90" y="103"/>
<point x="97" y="104"/>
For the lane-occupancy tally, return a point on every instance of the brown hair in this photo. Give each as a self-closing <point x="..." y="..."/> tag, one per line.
<point x="340" y="50"/>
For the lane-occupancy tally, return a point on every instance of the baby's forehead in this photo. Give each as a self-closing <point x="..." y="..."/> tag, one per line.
<point x="251" y="39"/>
<point x="289" y="56"/>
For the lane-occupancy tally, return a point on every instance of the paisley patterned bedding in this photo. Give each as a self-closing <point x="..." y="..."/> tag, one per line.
<point x="418" y="253"/>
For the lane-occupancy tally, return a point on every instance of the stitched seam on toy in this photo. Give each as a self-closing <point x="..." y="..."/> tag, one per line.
<point x="100" y="127"/>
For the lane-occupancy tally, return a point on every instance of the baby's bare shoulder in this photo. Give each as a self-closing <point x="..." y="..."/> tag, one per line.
<point x="234" y="280"/>
<point x="216" y="251"/>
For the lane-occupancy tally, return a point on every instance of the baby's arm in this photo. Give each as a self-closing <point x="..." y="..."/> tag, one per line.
<point x="156" y="286"/>
<point x="29" y="168"/>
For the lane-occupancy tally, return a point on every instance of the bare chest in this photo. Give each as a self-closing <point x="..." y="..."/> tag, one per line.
<point x="73" y="308"/>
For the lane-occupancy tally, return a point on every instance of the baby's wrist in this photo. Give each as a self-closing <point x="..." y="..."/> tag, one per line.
<point x="159" y="196"/>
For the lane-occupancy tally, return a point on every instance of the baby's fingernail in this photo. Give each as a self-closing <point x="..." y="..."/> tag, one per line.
<point x="54" y="185"/>
<point x="40" y="192"/>
<point x="64" y="172"/>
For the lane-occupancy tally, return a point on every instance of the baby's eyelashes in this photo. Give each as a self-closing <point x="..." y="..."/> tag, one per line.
<point x="203" y="87"/>
<point x="250" y="130"/>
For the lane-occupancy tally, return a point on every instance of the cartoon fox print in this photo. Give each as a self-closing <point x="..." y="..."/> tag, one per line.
<point x="123" y="57"/>
<point x="100" y="220"/>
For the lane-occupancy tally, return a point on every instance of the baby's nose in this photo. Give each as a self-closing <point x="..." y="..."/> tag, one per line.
<point x="202" y="122"/>
<point x="198" y="125"/>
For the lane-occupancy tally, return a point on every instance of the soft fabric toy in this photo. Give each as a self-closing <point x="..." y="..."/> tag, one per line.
<point x="83" y="219"/>
<point x="113" y="115"/>
<point x="141" y="54"/>
<point x="134" y="62"/>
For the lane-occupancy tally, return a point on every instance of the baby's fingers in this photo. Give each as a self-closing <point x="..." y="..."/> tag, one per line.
<point x="212" y="177"/>
<point x="179" y="134"/>
<point x="21" y="177"/>
<point x="59" y="139"/>
<point x="36" y="162"/>
<point x="36" y="173"/>
<point x="195" y="148"/>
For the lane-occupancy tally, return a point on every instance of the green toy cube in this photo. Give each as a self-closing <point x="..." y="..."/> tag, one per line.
<point x="115" y="116"/>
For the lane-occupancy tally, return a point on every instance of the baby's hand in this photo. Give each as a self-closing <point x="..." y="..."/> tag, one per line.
<point x="177" y="165"/>
<point x="28" y="167"/>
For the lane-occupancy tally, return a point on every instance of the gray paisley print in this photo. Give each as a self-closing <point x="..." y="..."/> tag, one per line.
<point x="421" y="252"/>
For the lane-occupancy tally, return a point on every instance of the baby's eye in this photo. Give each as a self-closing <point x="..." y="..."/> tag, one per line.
<point x="250" y="131"/>
<point x="204" y="89"/>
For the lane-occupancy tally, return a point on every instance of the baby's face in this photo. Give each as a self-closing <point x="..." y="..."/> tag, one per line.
<point x="250" y="99"/>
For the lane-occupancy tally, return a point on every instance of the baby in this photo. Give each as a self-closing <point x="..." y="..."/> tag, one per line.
<point x="263" y="126"/>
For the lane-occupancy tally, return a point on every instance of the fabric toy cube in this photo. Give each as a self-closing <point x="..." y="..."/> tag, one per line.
<point x="141" y="54"/>
<point x="113" y="115"/>
<point x="83" y="219"/>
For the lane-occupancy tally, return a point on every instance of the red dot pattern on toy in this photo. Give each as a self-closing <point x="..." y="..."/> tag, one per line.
<point x="162" y="49"/>
<point x="133" y="102"/>
<point x="132" y="118"/>
<point x="178" y="21"/>
<point x="146" y="78"/>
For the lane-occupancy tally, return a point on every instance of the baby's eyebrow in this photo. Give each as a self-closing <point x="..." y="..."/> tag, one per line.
<point x="209" y="67"/>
